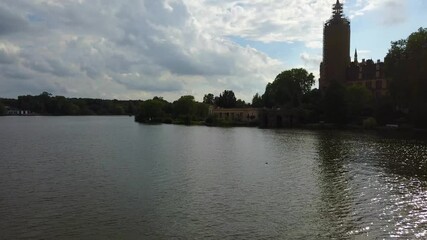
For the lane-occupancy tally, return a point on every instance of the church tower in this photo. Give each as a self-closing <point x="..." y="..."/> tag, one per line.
<point x="336" y="48"/>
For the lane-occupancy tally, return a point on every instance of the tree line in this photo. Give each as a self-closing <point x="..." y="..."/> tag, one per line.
<point x="46" y="104"/>
<point x="186" y="110"/>
<point x="291" y="91"/>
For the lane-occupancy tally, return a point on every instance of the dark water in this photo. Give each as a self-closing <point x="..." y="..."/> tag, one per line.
<point x="111" y="178"/>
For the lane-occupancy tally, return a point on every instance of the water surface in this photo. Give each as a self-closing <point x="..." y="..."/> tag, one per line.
<point x="111" y="178"/>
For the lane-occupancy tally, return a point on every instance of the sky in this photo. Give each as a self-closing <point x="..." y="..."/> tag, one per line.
<point x="138" y="49"/>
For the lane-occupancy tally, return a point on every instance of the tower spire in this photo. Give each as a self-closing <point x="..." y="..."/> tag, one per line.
<point x="355" y="56"/>
<point x="337" y="10"/>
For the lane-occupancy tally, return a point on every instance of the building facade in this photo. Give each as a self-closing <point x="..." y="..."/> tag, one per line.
<point x="369" y="74"/>
<point x="337" y="65"/>
<point x="17" y="112"/>
<point x="246" y="115"/>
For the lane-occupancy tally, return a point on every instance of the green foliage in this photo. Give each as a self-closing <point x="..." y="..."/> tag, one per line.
<point x="385" y="110"/>
<point x="202" y="111"/>
<point x="311" y="103"/>
<point x="47" y="104"/>
<point x="288" y="88"/>
<point x="2" y="109"/>
<point x="241" y="104"/>
<point x="359" y="100"/>
<point x="209" y="99"/>
<point x="369" y="123"/>
<point x="335" y="105"/>
<point x="188" y="110"/>
<point x="184" y="106"/>
<point x="226" y="100"/>
<point x="257" y="101"/>
<point x="185" y="110"/>
<point x="406" y="63"/>
<point x="151" y="111"/>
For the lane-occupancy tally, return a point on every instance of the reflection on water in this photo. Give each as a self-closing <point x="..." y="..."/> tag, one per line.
<point x="108" y="177"/>
<point x="336" y="197"/>
<point x="372" y="187"/>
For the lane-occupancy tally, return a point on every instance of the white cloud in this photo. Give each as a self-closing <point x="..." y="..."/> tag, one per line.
<point x="9" y="53"/>
<point x="272" y="21"/>
<point x="389" y="12"/>
<point x="142" y="48"/>
<point x="124" y="50"/>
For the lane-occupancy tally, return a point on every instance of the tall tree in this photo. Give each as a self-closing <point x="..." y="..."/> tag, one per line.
<point x="406" y="64"/>
<point x="288" y="88"/>
<point x="257" y="101"/>
<point x="209" y="99"/>
<point x="151" y="111"/>
<point x="185" y="106"/>
<point x="226" y="100"/>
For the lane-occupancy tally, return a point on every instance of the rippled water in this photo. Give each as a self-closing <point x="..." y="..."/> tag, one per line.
<point x="111" y="178"/>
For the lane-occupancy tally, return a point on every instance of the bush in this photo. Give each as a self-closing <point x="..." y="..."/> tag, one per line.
<point x="369" y="123"/>
<point x="2" y="109"/>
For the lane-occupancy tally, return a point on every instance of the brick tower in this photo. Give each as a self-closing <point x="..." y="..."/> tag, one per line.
<point x="336" y="48"/>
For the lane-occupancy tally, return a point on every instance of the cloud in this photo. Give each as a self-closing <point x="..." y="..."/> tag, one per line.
<point x="142" y="48"/>
<point x="122" y="49"/>
<point x="364" y="54"/>
<point x="11" y="22"/>
<point x="311" y="63"/>
<point x="389" y="12"/>
<point x="275" y="21"/>
<point x="8" y="53"/>
<point x="310" y="60"/>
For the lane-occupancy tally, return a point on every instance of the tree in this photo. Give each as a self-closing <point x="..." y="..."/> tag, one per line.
<point x="288" y="88"/>
<point x="114" y="108"/>
<point x="2" y="109"/>
<point x="201" y="111"/>
<point x="257" y="101"/>
<point x="226" y="100"/>
<point x="311" y="103"/>
<point x="405" y="65"/>
<point x="184" y="106"/>
<point x="241" y="103"/>
<point x="151" y="111"/>
<point x="188" y="110"/>
<point x="268" y="96"/>
<point x="209" y="99"/>
<point x="396" y="70"/>
<point x="335" y="105"/>
<point x="359" y="100"/>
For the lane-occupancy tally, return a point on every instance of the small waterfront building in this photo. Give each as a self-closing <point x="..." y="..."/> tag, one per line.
<point x="278" y="118"/>
<point x="17" y="112"/>
<point x="247" y="115"/>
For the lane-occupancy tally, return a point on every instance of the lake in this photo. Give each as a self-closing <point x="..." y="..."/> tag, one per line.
<point x="112" y="178"/>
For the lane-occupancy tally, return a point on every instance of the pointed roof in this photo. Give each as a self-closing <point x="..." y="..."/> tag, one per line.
<point x="355" y="56"/>
<point x="338" y="14"/>
<point x="338" y="10"/>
